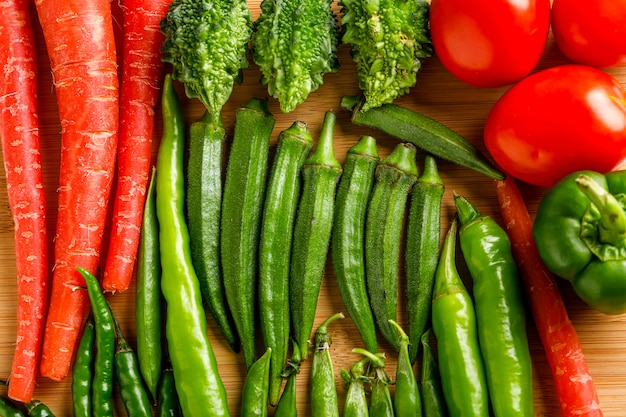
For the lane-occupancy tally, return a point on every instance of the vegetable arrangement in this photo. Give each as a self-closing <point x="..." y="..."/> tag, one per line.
<point x="254" y="273"/>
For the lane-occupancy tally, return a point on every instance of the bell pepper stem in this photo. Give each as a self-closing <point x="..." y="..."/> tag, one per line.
<point x="612" y="216"/>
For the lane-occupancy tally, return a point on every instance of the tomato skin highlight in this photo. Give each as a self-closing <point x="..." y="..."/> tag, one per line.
<point x="591" y="32"/>
<point x="557" y="121"/>
<point x="489" y="43"/>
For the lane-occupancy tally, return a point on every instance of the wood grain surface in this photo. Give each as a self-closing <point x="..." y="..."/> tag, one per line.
<point x="438" y="95"/>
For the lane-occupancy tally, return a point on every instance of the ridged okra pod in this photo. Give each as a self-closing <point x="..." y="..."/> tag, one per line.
<point x="203" y="211"/>
<point x="312" y="230"/>
<point x="348" y="235"/>
<point x="395" y="176"/>
<point x="279" y="212"/>
<point x="242" y="205"/>
<point x="423" y="244"/>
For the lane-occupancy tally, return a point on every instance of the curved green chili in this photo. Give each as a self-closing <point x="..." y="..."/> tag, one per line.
<point x="423" y="244"/>
<point x="198" y="383"/>
<point x="103" y="375"/>
<point x="433" y="402"/>
<point x="132" y="390"/>
<point x="454" y="324"/>
<point x="82" y="371"/>
<point x="500" y="311"/>
<point x="323" y="391"/>
<point x="407" y="400"/>
<point x="148" y="297"/>
<point x="35" y="408"/>
<point x="168" y="404"/>
<point x="256" y="387"/>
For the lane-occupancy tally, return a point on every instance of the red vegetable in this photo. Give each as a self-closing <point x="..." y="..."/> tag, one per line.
<point x="81" y="47"/>
<point x="574" y="386"/>
<point x="142" y="70"/>
<point x="19" y="129"/>
<point x="557" y="121"/>
<point x="591" y="32"/>
<point x="489" y="43"/>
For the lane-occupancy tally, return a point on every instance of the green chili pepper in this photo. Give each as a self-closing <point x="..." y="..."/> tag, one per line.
<point x="500" y="311"/>
<point x="348" y="235"/>
<point x="324" y="400"/>
<point x="168" y="403"/>
<point x="198" y="383"/>
<point x="102" y="385"/>
<point x="423" y="244"/>
<point x="82" y="371"/>
<point x="381" y="404"/>
<point x="407" y="400"/>
<point x="355" y="404"/>
<point x="35" y="408"/>
<point x="148" y="297"/>
<point x="580" y="232"/>
<point x="9" y="409"/>
<point x="395" y="176"/>
<point x="131" y="385"/>
<point x="454" y="323"/>
<point x="256" y="387"/>
<point x="286" y="406"/>
<point x="433" y="402"/>
<point x="311" y="234"/>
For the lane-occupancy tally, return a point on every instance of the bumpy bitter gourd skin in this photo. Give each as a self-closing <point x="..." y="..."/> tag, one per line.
<point x="294" y="44"/>
<point x="207" y="44"/>
<point x="388" y="38"/>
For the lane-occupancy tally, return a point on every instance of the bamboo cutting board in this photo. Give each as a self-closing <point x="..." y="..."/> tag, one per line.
<point x="438" y="95"/>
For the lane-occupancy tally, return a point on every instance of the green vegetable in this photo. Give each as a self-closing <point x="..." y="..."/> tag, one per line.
<point x="454" y="323"/>
<point x="103" y="366"/>
<point x="82" y="371"/>
<point x="500" y="311"/>
<point x="407" y="400"/>
<point x="422" y="131"/>
<point x="423" y="243"/>
<point x="168" y="404"/>
<point x="388" y="39"/>
<point x="295" y="44"/>
<point x="148" y="297"/>
<point x="324" y="402"/>
<point x="355" y="404"/>
<point x="207" y="44"/>
<point x="286" y="406"/>
<point x="311" y="236"/>
<point x="279" y="212"/>
<point x="198" y="383"/>
<point x="348" y="235"/>
<point x="9" y="409"/>
<point x="580" y="232"/>
<point x="381" y="404"/>
<point x="395" y="176"/>
<point x="433" y="401"/>
<point x="242" y="205"/>
<point x="256" y="387"/>
<point x="35" y="408"/>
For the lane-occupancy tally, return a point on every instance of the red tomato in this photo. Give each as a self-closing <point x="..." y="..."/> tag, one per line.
<point x="591" y="32"/>
<point x="489" y="43"/>
<point x="557" y="121"/>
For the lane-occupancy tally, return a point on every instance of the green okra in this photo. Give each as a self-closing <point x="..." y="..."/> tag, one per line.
<point x="355" y="404"/>
<point x="312" y="231"/>
<point x="324" y="401"/>
<point x="348" y="235"/>
<point x="395" y="176"/>
<point x="256" y="387"/>
<point x="279" y="212"/>
<point x="242" y="205"/>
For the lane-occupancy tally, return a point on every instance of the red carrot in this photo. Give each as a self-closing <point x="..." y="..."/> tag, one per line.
<point x="19" y="129"/>
<point x="139" y="90"/>
<point x="81" y="48"/>
<point x="574" y="386"/>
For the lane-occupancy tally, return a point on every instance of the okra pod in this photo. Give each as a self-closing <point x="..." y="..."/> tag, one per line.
<point x="395" y="176"/>
<point x="355" y="404"/>
<point x="256" y="387"/>
<point x="324" y="402"/>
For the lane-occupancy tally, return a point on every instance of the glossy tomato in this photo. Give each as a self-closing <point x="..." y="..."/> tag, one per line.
<point x="591" y="32"/>
<point x="557" y="121"/>
<point x="489" y="43"/>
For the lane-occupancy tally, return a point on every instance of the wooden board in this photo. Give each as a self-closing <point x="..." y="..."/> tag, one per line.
<point x="438" y="95"/>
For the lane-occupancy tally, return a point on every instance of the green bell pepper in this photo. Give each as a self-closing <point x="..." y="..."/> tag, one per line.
<point x="580" y="232"/>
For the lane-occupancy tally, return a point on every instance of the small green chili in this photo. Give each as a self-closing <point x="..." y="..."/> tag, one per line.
<point x="82" y="371"/>
<point x="167" y="397"/>
<point x="406" y="401"/>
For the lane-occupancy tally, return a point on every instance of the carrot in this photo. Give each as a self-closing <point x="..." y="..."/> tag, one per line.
<point x="19" y="130"/>
<point x="81" y="48"/>
<point x="142" y="70"/>
<point x="574" y="386"/>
